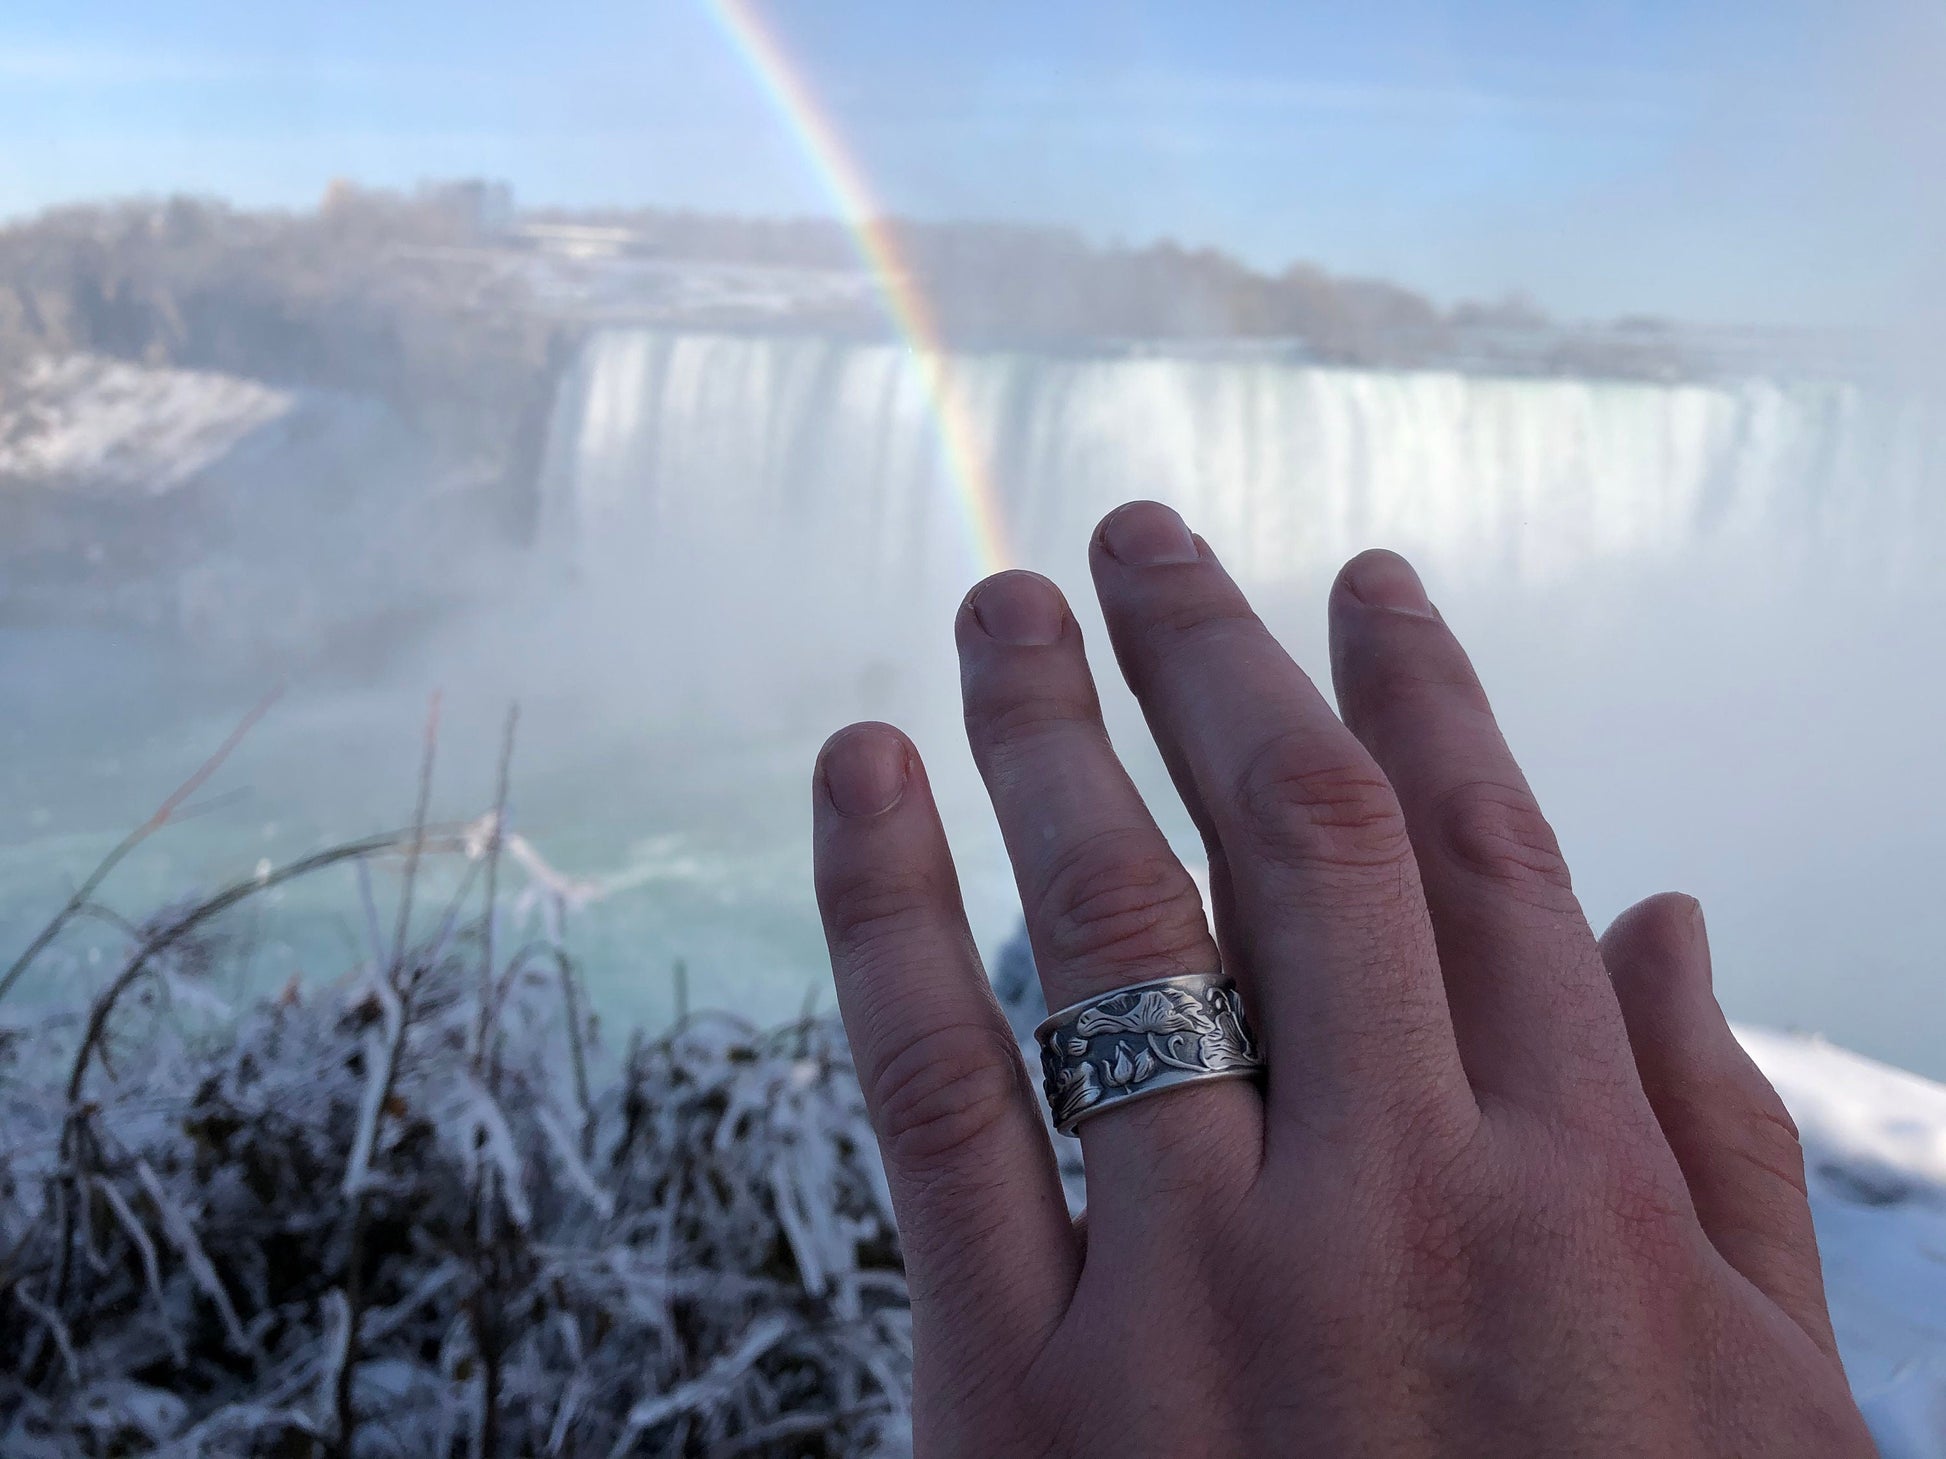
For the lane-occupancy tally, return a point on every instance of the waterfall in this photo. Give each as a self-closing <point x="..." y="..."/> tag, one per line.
<point x="1709" y="614"/>
<point x="687" y="448"/>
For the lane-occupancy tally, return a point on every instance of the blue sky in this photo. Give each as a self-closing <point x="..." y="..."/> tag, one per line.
<point x="1720" y="159"/>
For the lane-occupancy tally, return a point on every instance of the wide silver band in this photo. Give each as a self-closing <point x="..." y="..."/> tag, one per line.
<point x="1141" y="1040"/>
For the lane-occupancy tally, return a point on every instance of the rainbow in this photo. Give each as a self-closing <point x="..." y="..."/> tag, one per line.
<point x="839" y="173"/>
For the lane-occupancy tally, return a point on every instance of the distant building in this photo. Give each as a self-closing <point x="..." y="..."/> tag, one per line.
<point x="582" y="240"/>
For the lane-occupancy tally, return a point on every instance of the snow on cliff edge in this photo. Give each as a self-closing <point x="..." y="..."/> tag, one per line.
<point x="83" y="419"/>
<point x="1875" y="1159"/>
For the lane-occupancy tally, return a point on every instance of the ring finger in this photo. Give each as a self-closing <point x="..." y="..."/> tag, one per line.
<point x="1108" y="904"/>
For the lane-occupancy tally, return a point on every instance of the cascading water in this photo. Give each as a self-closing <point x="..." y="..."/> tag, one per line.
<point x="687" y="446"/>
<point x="1709" y="614"/>
<point x="1708" y="611"/>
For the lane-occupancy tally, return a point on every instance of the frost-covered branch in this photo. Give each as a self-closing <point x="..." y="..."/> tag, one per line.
<point x="686" y="1248"/>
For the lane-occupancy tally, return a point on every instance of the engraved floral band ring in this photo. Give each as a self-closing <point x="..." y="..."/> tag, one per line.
<point x="1144" y="1039"/>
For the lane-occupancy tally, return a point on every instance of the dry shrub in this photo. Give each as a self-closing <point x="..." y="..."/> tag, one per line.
<point x="421" y="1213"/>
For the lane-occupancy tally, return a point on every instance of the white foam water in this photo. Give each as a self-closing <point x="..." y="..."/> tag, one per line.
<point x="1708" y="611"/>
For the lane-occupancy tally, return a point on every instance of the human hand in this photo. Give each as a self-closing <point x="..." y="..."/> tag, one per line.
<point x="1506" y="1190"/>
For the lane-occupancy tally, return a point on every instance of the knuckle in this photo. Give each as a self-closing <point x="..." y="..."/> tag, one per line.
<point x="878" y="908"/>
<point x="1119" y="899"/>
<point x="1309" y="811"/>
<point x="1496" y="830"/>
<point x="1027" y="715"/>
<point x="1776" y="1157"/>
<point x="1740" y="1115"/>
<point x="1771" y="1136"/>
<point x="1192" y="621"/>
<point x="1428" y="670"/>
<point x="939" y="1095"/>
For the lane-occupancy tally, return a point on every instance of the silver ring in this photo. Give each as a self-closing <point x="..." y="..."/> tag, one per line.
<point x="1144" y="1039"/>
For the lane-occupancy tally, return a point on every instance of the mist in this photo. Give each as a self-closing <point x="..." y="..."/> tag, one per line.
<point x="670" y="483"/>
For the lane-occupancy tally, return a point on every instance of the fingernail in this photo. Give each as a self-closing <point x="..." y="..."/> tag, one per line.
<point x="1019" y="607"/>
<point x="864" y="770"/>
<point x="1381" y="579"/>
<point x="1698" y="924"/>
<point x="1143" y="534"/>
<point x="1698" y="932"/>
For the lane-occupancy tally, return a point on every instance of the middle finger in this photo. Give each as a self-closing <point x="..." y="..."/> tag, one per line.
<point x="1329" y="918"/>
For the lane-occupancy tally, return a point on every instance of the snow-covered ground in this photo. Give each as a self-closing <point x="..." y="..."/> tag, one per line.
<point x="107" y="424"/>
<point x="1875" y="1155"/>
<point x="269" y="527"/>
